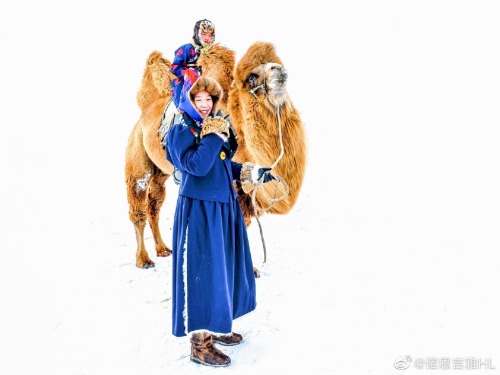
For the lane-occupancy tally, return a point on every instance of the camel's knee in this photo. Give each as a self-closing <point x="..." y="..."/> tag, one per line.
<point x="156" y="196"/>
<point x="156" y="193"/>
<point x="137" y="208"/>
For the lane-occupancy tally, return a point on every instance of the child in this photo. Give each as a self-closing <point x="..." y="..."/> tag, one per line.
<point x="184" y="64"/>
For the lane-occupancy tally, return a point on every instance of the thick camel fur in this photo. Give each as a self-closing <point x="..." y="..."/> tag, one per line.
<point x="256" y="100"/>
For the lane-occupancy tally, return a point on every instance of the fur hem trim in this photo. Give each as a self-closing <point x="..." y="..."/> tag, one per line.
<point x="210" y="332"/>
<point x="184" y="278"/>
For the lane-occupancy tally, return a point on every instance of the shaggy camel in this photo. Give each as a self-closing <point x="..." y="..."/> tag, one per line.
<point x="268" y="127"/>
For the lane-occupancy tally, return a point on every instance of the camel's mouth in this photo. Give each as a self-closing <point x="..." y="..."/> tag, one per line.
<point x="277" y="77"/>
<point x="276" y="84"/>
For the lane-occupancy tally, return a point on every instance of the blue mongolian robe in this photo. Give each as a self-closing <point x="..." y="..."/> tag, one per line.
<point x="213" y="280"/>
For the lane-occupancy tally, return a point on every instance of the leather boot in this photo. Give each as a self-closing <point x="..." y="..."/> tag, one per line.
<point x="203" y="351"/>
<point x="228" y="340"/>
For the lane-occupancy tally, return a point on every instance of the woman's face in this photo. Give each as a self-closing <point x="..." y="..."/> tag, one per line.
<point x="204" y="103"/>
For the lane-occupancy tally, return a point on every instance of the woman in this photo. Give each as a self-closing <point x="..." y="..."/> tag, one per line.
<point x="184" y="64"/>
<point x="213" y="280"/>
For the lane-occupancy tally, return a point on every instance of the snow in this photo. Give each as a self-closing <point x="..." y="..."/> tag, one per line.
<point x="390" y="251"/>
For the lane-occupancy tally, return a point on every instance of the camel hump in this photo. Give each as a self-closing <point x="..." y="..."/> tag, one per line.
<point x="156" y="80"/>
<point x="156" y="57"/>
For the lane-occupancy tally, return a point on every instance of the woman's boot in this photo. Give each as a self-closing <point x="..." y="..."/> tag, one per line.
<point x="228" y="340"/>
<point x="203" y="351"/>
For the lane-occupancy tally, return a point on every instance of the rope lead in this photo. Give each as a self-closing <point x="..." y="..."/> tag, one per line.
<point x="279" y="181"/>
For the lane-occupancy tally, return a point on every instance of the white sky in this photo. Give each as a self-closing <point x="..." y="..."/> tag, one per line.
<point x="390" y="251"/>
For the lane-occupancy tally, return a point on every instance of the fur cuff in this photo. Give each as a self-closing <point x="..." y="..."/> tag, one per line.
<point x="214" y="125"/>
<point x="246" y="177"/>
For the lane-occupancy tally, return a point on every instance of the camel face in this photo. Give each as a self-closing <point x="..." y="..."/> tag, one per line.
<point x="277" y="76"/>
<point x="269" y="80"/>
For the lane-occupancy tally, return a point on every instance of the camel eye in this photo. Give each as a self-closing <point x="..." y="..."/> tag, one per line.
<point x="252" y="79"/>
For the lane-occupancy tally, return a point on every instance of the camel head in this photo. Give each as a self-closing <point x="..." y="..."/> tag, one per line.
<point x="261" y="73"/>
<point x="269" y="81"/>
<point x="269" y="128"/>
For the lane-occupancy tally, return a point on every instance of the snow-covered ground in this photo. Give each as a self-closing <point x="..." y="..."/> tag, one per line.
<point x="390" y="251"/>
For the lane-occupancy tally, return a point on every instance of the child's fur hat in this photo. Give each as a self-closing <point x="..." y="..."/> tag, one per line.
<point x="200" y="27"/>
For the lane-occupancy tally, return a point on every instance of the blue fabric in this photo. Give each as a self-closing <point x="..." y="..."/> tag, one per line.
<point x="184" y="55"/>
<point x="188" y="107"/>
<point x="211" y="252"/>
<point x="206" y="167"/>
<point x="190" y="77"/>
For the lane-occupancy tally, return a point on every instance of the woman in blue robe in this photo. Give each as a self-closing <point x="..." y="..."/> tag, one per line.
<point x="213" y="280"/>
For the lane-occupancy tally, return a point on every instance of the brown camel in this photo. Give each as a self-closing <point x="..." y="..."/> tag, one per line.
<point x="269" y="129"/>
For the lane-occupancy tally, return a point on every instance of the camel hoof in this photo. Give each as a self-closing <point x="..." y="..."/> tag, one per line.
<point x="256" y="272"/>
<point x="145" y="264"/>
<point x="164" y="252"/>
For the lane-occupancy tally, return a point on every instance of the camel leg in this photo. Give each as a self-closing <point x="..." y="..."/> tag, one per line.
<point x="142" y="259"/>
<point x="138" y="171"/>
<point x="156" y="197"/>
<point x="137" y="200"/>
